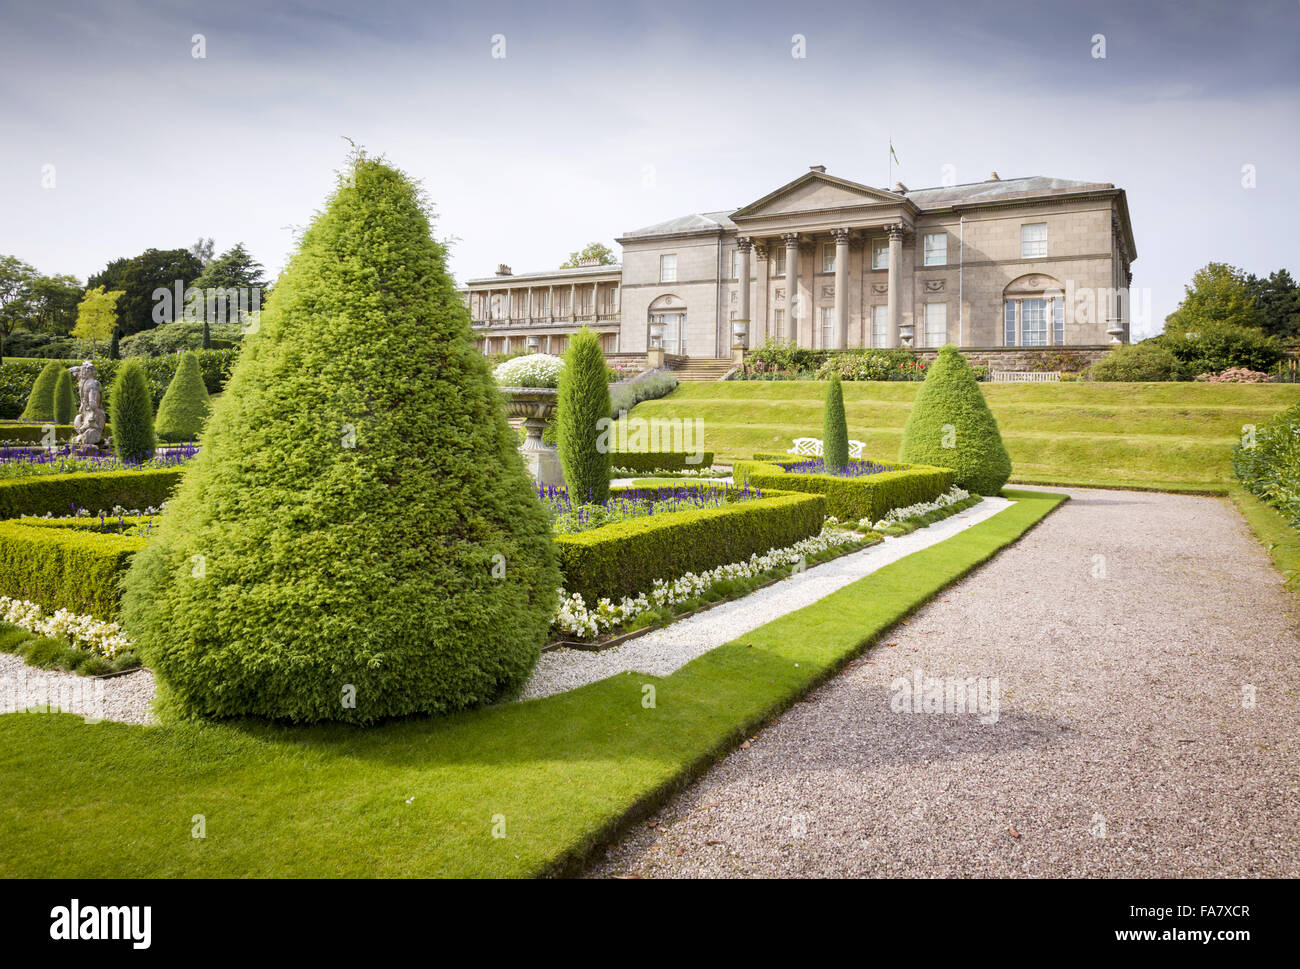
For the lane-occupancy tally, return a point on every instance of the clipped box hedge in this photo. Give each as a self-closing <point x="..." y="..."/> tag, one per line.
<point x="95" y="491"/>
<point x="645" y="461"/>
<point x="33" y="433"/>
<point x="850" y="499"/>
<point x="625" y="558"/>
<point x="64" y="568"/>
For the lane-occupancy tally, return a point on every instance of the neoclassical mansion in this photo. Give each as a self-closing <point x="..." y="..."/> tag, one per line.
<point x="826" y="262"/>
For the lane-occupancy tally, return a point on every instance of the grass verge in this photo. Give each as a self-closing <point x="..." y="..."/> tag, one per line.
<point x="1280" y="540"/>
<point x="557" y="777"/>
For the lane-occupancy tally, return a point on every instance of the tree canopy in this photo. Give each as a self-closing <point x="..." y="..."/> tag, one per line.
<point x="139" y="276"/>
<point x="593" y="250"/>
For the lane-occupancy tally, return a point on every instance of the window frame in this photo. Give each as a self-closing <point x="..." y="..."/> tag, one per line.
<point x="925" y="323"/>
<point x="1035" y="243"/>
<point x="664" y="258"/>
<point x="828" y="249"/>
<point x="880" y="246"/>
<point x="942" y="250"/>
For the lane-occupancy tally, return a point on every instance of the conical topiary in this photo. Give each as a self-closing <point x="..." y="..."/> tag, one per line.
<point x="65" y="398"/>
<point x="130" y="411"/>
<point x="185" y="405"/>
<point x="40" y="402"/>
<point x="583" y="401"/>
<point x="951" y="426"/>
<point x="835" y="429"/>
<point x="358" y="537"/>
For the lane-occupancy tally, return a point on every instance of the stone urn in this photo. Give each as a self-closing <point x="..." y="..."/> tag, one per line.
<point x="536" y="405"/>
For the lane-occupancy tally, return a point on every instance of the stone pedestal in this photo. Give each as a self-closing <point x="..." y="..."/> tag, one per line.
<point x="536" y="405"/>
<point x="654" y="358"/>
<point x="544" y="465"/>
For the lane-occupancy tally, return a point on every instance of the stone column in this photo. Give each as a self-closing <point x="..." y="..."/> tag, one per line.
<point x="895" y="284"/>
<point x="744" y="244"/>
<point x="841" y="288"/>
<point x="791" y="240"/>
<point x="573" y="302"/>
<point x="595" y="302"/>
<point x="761" y="292"/>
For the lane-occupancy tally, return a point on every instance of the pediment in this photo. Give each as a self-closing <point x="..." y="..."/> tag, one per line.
<point x="815" y="192"/>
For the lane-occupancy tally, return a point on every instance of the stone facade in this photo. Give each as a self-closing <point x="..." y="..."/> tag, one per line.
<point x="1021" y="262"/>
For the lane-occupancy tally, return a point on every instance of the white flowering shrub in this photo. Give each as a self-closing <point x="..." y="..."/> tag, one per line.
<point x="532" y="370"/>
<point x="574" y="618"/>
<point x="949" y="497"/>
<point x="83" y="632"/>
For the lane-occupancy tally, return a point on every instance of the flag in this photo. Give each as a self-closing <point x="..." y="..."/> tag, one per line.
<point x="892" y="153"/>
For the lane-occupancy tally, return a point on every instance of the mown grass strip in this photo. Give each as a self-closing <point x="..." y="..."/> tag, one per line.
<point x="1280" y="540"/>
<point x="557" y="777"/>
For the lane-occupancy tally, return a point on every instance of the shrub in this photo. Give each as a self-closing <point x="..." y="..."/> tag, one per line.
<point x="849" y="499"/>
<point x="951" y="426"/>
<point x="835" y="429"/>
<point x="643" y="462"/>
<point x="64" y="568"/>
<point x="373" y="533"/>
<point x="65" y="399"/>
<point x="1143" y="361"/>
<point x="650" y="385"/>
<point x="583" y="403"/>
<point x="625" y="559"/>
<point x="33" y="433"/>
<point x="179" y="335"/>
<point x="94" y="491"/>
<point x="17" y="376"/>
<point x="881" y="364"/>
<point x="185" y="406"/>
<point x="1269" y="467"/>
<point x="131" y="413"/>
<point x="1216" y="347"/>
<point x="40" y="403"/>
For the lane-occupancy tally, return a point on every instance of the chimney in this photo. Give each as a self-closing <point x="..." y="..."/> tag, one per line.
<point x="993" y="177"/>
<point x="900" y="188"/>
<point x="503" y="270"/>
<point x="817" y="168"/>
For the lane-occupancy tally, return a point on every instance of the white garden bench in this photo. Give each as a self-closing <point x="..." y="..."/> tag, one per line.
<point x="812" y="447"/>
<point x="1025" y="376"/>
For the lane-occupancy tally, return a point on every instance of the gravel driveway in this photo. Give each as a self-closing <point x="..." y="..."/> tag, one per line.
<point x="1124" y="639"/>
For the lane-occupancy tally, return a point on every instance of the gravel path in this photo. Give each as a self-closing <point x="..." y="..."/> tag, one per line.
<point x="126" y="698"/>
<point x="1126" y="634"/>
<point x="669" y="649"/>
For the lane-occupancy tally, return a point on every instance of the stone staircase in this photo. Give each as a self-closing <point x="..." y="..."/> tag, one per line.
<point x="700" y="368"/>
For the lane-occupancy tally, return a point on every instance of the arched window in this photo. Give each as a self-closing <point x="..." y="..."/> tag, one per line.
<point x="1033" y="312"/>
<point x="666" y="326"/>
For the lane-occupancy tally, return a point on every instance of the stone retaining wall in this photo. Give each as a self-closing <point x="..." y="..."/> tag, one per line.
<point x="1028" y="358"/>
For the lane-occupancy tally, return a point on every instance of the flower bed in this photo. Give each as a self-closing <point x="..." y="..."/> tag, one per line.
<point x="22" y="462"/>
<point x="854" y="469"/>
<point x="574" y="618"/>
<point x="627" y="504"/>
<point x="950" y="502"/>
<point x="81" y="632"/>
<point x="627" y="557"/>
<point x="851" y="497"/>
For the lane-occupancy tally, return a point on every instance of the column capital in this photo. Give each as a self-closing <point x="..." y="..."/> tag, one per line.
<point x="841" y="236"/>
<point x="745" y="243"/>
<point x="760" y="250"/>
<point x="790" y="239"/>
<point x="896" y="230"/>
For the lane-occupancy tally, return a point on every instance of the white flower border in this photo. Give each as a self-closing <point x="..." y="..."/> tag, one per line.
<point x="574" y="618"/>
<point x="712" y="471"/>
<point x="533" y="367"/>
<point x="949" y="497"/>
<point x="83" y="632"/>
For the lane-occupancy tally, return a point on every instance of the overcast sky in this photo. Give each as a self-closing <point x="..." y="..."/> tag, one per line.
<point x="602" y="118"/>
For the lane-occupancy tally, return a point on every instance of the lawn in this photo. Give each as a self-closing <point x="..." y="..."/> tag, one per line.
<point x="557" y="776"/>
<point x="1175" y="436"/>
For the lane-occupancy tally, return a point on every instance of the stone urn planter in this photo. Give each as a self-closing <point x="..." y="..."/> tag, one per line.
<point x="536" y="405"/>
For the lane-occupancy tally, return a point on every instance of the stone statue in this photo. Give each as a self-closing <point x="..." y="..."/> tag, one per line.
<point x="89" y="422"/>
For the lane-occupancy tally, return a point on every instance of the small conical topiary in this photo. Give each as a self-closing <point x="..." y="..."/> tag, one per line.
<point x="185" y="405"/>
<point x="951" y="426"/>
<point x="583" y="402"/>
<point x="835" y="429"/>
<point x="358" y="537"/>
<point x="40" y="402"/>
<point x="130" y="411"/>
<point x="115" y="344"/>
<point x="65" y="398"/>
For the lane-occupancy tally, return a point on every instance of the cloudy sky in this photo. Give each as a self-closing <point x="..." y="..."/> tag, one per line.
<point x="601" y="118"/>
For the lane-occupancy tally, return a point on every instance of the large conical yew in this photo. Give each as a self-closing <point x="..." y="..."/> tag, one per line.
<point x="358" y="537"/>
<point x="951" y="426"/>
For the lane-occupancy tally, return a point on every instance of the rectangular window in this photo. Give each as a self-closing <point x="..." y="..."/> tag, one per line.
<point x="828" y="327"/>
<point x="880" y="326"/>
<point x="1058" y="322"/>
<point x="778" y="321"/>
<point x="880" y="254"/>
<point x="1009" y="324"/>
<point x="936" y="324"/>
<point x="828" y="257"/>
<point x="735" y="263"/>
<point x="1033" y="240"/>
<point x="778" y="262"/>
<point x="1033" y="322"/>
<point x="936" y="249"/>
<point x="668" y="268"/>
